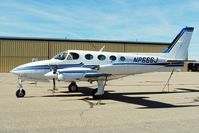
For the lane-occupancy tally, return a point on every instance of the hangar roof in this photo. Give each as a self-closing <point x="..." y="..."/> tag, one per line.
<point x="81" y="40"/>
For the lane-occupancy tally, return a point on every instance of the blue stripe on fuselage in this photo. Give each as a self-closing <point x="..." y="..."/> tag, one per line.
<point x="156" y="64"/>
<point x="44" y="67"/>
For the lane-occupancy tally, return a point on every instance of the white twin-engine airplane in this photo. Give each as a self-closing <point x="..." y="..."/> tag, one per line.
<point x="76" y="65"/>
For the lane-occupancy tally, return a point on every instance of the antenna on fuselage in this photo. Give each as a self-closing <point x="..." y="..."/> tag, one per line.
<point x="102" y="48"/>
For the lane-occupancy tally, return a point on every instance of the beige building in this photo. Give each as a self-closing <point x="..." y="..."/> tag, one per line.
<point x="17" y="51"/>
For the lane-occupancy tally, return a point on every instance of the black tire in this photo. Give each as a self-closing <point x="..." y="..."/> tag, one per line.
<point x="96" y="97"/>
<point x="20" y="93"/>
<point x="72" y="87"/>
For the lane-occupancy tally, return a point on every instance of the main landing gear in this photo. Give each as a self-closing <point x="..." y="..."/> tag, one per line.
<point x="20" y="92"/>
<point x="98" y="93"/>
<point x="73" y="87"/>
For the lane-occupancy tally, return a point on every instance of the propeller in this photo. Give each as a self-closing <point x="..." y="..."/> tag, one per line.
<point x="52" y="74"/>
<point x="54" y="82"/>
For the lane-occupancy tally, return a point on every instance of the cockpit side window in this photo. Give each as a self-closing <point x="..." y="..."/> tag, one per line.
<point x="73" y="56"/>
<point x="61" y="56"/>
<point x="69" y="57"/>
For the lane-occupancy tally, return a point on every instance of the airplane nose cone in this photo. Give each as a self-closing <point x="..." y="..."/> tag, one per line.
<point x="14" y="71"/>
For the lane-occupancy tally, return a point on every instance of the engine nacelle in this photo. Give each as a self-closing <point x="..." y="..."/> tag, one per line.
<point x="70" y="76"/>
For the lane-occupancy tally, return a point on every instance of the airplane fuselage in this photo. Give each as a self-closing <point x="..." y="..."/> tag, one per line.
<point x="112" y="63"/>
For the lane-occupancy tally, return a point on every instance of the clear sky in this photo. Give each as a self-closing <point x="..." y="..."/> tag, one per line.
<point x="126" y="20"/>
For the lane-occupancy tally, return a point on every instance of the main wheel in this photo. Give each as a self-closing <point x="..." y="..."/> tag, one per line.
<point x="72" y="87"/>
<point x="96" y="97"/>
<point x="20" y="93"/>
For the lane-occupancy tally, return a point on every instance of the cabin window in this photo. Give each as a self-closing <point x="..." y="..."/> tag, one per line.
<point x="101" y="57"/>
<point x="73" y="56"/>
<point x="113" y="58"/>
<point x="89" y="56"/>
<point x="61" y="56"/>
<point x="122" y="58"/>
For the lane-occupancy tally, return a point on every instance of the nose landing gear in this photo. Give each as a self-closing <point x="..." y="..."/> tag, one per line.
<point x="20" y="92"/>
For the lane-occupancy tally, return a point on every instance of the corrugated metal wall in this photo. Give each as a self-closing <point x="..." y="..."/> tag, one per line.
<point x="144" y="48"/>
<point x="56" y="47"/>
<point x="16" y="52"/>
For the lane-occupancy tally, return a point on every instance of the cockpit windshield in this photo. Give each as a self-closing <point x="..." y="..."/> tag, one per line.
<point x="61" y="56"/>
<point x="67" y="55"/>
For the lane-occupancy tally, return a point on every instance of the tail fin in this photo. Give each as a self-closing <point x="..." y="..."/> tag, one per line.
<point x="179" y="46"/>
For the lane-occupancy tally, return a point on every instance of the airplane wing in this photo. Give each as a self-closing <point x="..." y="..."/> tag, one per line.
<point x="34" y="79"/>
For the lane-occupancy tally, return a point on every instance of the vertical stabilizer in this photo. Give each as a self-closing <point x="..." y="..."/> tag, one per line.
<point x="179" y="46"/>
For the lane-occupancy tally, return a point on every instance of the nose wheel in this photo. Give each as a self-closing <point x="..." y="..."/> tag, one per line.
<point x="20" y="93"/>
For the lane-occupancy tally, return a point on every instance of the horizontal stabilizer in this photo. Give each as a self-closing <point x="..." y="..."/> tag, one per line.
<point x="180" y="61"/>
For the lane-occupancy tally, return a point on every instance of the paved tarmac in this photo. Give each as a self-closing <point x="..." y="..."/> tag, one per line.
<point x="131" y="104"/>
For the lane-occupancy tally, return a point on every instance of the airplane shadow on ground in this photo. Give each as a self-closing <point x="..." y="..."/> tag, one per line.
<point x="127" y="97"/>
